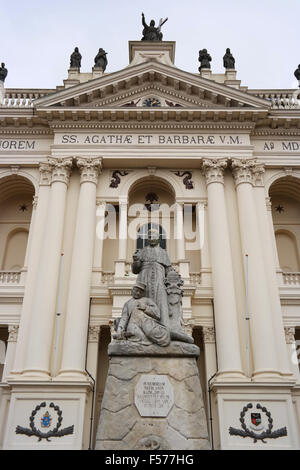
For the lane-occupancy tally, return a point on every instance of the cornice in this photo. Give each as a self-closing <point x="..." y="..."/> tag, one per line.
<point x="276" y="132"/>
<point x="27" y="131"/>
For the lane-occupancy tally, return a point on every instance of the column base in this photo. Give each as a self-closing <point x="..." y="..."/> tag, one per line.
<point x="35" y="374"/>
<point x="267" y="375"/>
<point x="231" y="376"/>
<point x="72" y="375"/>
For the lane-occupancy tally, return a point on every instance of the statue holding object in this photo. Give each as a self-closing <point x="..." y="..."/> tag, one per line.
<point x="101" y="59"/>
<point x="204" y="59"/>
<point x="151" y="32"/>
<point x="75" y="59"/>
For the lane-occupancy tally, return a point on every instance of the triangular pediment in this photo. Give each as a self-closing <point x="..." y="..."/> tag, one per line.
<point x="151" y="84"/>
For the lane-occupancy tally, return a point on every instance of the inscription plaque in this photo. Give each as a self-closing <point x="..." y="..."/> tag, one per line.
<point x="154" y="396"/>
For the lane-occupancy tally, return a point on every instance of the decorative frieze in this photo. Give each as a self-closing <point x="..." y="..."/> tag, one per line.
<point x="45" y="174"/>
<point x="208" y="334"/>
<point x="213" y="169"/>
<point x="89" y="169"/>
<point x="289" y="335"/>
<point x="13" y="331"/>
<point x="61" y="169"/>
<point x="94" y="332"/>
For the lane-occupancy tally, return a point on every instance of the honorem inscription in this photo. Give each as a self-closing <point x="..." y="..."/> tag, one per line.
<point x="154" y="396"/>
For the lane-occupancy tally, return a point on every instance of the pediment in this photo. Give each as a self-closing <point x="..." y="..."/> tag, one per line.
<point x="135" y="86"/>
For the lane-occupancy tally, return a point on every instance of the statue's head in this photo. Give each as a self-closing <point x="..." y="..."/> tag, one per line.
<point x="2" y="64"/>
<point x="153" y="237"/>
<point x="227" y="50"/>
<point x="204" y="50"/>
<point x="152" y="23"/>
<point x="138" y="290"/>
<point x="76" y="49"/>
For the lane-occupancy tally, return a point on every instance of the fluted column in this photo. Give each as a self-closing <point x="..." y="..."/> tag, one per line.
<point x="183" y="264"/>
<point x="120" y="263"/>
<point x="76" y="325"/>
<point x="226" y="319"/>
<point x="10" y="351"/>
<point x="38" y="354"/>
<point x="261" y="328"/>
<point x="98" y="250"/>
<point x="29" y="241"/>
<point x="34" y="259"/>
<point x="202" y="227"/>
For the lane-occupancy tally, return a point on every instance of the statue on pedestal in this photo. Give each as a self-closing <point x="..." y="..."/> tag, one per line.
<point x="204" y="59"/>
<point x="297" y="73"/>
<point x="101" y="59"/>
<point x="3" y="72"/>
<point x="75" y="59"/>
<point x="228" y="60"/>
<point x="154" y="313"/>
<point x="150" y="32"/>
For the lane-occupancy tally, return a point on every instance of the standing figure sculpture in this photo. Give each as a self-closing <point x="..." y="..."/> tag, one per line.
<point x="101" y="59"/>
<point x="150" y="32"/>
<point x="297" y="74"/>
<point x="3" y="72"/>
<point x="152" y="264"/>
<point x="204" y="59"/>
<point x="75" y="59"/>
<point x="228" y="60"/>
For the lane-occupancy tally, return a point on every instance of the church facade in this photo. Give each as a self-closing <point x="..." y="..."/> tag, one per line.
<point x="85" y="170"/>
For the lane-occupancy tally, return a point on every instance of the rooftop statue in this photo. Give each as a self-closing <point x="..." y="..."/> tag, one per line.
<point x="297" y="73"/>
<point x="75" y="59"/>
<point x="228" y="60"/>
<point x="101" y="59"/>
<point x="152" y="33"/>
<point x="204" y="59"/>
<point x="3" y="72"/>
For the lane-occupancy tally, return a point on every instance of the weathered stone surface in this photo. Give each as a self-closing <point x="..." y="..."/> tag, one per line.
<point x="185" y="426"/>
<point x="115" y="426"/>
<point x="175" y="349"/>
<point x="190" y="425"/>
<point x="118" y="394"/>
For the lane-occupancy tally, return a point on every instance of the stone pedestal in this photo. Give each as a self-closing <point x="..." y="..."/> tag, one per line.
<point x="152" y="401"/>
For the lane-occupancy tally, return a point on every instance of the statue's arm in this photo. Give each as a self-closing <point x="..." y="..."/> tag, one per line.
<point x="124" y="320"/>
<point x="143" y="21"/>
<point x="152" y="310"/>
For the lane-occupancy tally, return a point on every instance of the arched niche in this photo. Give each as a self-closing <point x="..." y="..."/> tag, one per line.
<point x="15" y="250"/>
<point x="287" y="251"/>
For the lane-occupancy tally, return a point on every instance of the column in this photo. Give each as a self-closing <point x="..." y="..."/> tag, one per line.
<point x="10" y="350"/>
<point x="93" y="344"/>
<point x="268" y="238"/>
<point x="261" y="329"/>
<point x="209" y="351"/>
<point x="98" y="250"/>
<point x="291" y="347"/>
<point x="120" y="263"/>
<point x="34" y="259"/>
<point x="183" y="264"/>
<point x="226" y="319"/>
<point x="76" y="325"/>
<point x="43" y="310"/>
<point x="202" y="227"/>
<point x="273" y="242"/>
<point x="29" y="241"/>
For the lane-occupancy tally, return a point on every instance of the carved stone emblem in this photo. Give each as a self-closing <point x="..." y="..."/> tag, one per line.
<point x="256" y="424"/>
<point x="45" y="422"/>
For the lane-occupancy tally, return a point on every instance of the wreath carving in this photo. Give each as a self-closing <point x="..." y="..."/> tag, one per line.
<point x="246" y="432"/>
<point x="56" y="432"/>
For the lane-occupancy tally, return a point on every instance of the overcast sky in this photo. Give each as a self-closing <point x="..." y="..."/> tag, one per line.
<point x="38" y="36"/>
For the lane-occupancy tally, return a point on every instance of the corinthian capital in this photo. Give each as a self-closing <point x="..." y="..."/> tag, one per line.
<point x="247" y="171"/>
<point x="213" y="169"/>
<point x="13" y="333"/>
<point x="208" y="334"/>
<point x="61" y="169"/>
<point x="45" y="174"/>
<point x="89" y="169"/>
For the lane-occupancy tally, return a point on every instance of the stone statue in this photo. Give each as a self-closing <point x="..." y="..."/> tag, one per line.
<point x="3" y="72"/>
<point x="152" y="264"/>
<point x="228" y="60"/>
<point x="151" y="33"/>
<point x="75" y="59"/>
<point x="204" y="59"/>
<point x="140" y="321"/>
<point x="297" y="73"/>
<point x="101" y="59"/>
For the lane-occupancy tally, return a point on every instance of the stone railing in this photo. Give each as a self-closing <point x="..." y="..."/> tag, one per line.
<point x="280" y="99"/>
<point x="9" y="277"/>
<point x="15" y="98"/>
<point x="291" y="279"/>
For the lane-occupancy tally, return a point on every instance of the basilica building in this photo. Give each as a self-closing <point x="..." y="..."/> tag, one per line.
<point x="85" y="170"/>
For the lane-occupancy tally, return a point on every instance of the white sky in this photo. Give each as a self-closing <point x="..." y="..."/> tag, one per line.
<point x="38" y="36"/>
